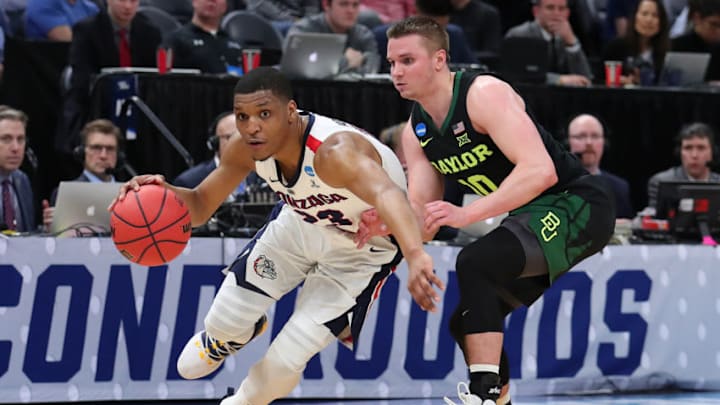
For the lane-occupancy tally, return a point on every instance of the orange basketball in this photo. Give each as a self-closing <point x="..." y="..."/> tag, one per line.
<point x="150" y="226"/>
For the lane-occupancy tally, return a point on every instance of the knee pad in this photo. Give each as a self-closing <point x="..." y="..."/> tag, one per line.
<point x="482" y="268"/>
<point x="497" y="257"/>
<point x="234" y="312"/>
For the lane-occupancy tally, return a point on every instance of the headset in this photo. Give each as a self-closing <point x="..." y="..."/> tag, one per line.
<point x="565" y="135"/>
<point x="213" y="141"/>
<point x="78" y="152"/>
<point x="698" y="129"/>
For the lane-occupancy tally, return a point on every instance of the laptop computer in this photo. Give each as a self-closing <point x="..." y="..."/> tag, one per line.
<point x="312" y="55"/>
<point x="684" y="68"/>
<point x="81" y="208"/>
<point x="524" y="59"/>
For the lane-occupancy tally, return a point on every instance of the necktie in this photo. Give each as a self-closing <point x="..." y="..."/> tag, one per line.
<point x="8" y="207"/>
<point x="124" y="48"/>
<point x="554" y="65"/>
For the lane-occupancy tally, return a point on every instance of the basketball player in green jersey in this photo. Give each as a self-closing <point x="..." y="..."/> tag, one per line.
<point x="475" y="129"/>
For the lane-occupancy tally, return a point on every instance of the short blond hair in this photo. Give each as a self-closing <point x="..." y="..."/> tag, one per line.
<point x="426" y="27"/>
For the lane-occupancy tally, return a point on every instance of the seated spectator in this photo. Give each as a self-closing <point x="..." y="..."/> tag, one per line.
<point x="586" y="140"/>
<point x="568" y="63"/>
<point x="340" y="17"/>
<point x="117" y="36"/>
<point x="53" y="19"/>
<point x="16" y="195"/>
<point x="201" y="44"/>
<point x="704" y="36"/>
<point x="100" y="145"/>
<point x="220" y="132"/>
<point x="283" y="13"/>
<point x="439" y="11"/>
<point x="642" y="50"/>
<point x="481" y="24"/>
<point x="696" y="148"/>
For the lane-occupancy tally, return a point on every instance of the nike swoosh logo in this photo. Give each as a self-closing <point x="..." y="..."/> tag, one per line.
<point x="424" y="142"/>
<point x="375" y="250"/>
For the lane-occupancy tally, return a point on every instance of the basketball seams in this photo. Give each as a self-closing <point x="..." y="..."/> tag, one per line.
<point x="157" y="241"/>
<point x="150" y="232"/>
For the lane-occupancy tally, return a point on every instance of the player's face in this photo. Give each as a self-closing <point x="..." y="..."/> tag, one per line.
<point x="264" y="122"/>
<point x="647" y="20"/>
<point x="100" y="153"/>
<point x="12" y="145"/>
<point x="412" y="65"/>
<point x="695" y="152"/>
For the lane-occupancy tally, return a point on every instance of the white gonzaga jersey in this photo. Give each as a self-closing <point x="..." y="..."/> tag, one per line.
<point x="312" y="199"/>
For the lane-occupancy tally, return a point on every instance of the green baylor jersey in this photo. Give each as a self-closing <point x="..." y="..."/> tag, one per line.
<point x="471" y="158"/>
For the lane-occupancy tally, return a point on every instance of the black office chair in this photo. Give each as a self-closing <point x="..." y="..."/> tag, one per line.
<point x="182" y="10"/>
<point x="162" y="20"/>
<point x="251" y="30"/>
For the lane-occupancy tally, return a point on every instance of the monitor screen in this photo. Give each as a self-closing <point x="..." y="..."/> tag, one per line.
<point x="693" y="208"/>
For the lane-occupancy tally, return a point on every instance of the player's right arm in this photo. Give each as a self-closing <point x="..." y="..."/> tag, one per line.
<point x="425" y="184"/>
<point x="203" y="200"/>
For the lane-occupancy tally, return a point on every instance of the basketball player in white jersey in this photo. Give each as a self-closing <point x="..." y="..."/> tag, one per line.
<point x="327" y="173"/>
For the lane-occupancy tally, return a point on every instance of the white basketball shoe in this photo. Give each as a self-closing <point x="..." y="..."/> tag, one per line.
<point x="203" y="354"/>
<point x="467" y="398"/>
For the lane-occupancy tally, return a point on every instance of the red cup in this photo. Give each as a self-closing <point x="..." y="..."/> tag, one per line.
<point x="613" y="71"/>
<point x="250" y="59"/>
<point x="164" y="59"/>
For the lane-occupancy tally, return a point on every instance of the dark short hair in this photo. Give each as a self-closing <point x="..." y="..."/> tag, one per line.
<point x="426" y="27"/>
<point x="9" y="113"/>
<point x="696" y="130"/>
<point x="102" y="126"/>
<point x="265" y="78"/>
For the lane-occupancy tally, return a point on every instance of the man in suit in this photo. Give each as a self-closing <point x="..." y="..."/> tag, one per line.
<point x="117" y="36"/>
<point x="219" y="133"/>
<point x="16" y="196"/>
<point x="586" y="140"/>
<point x="101" y="142"/>
<point x="568" y="63"/>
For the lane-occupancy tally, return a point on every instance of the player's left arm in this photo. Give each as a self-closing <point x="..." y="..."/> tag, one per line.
<point x="347" y="160"/>
<point x="496" y="109"/>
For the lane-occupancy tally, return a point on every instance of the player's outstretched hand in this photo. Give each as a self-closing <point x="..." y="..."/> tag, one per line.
<point x="135" y="183"/>
<point x="370" y="225"/>
<point x="422" y="280"/>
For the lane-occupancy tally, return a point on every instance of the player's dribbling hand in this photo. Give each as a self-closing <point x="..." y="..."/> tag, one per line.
<point x="135" y="183"/>
<point x="422" y="281"/>
<point x="370" y="225"/>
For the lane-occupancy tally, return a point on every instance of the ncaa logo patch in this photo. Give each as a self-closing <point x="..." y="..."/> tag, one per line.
<point x="309" y="171"/>
<point x="420" y="129"/>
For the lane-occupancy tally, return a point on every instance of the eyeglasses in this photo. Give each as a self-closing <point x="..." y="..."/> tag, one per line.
<point x="8" y="139"/>
<point x="100" y="148"/>
<point x="585" y="136"/>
